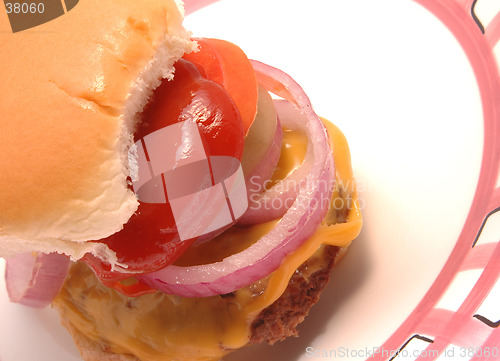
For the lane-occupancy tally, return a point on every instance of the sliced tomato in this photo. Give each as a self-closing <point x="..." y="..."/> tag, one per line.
<point x="149" y="240"/>
<point x="226" y="64"/>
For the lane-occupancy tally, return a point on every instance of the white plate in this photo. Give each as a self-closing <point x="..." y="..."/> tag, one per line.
<point x="407" y="86"/>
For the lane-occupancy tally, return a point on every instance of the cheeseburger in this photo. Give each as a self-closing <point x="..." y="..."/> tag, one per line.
<point x="170" y="198"/>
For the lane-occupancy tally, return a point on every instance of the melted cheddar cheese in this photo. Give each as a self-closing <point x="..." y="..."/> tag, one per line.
<point x="159" y="327"/>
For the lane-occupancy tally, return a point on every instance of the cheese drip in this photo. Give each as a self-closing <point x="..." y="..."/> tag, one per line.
<point x="159" y="327"/>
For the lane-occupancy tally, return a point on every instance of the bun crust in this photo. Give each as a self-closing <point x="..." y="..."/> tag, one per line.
<point x="69" y="94"/>
<point x="92" y="351"/>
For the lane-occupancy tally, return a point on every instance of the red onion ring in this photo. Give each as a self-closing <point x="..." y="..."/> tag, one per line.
<point x="275" y="201"/>
<point x="35" y="279"/>
<point x="296" y="225"/>
<point x="264" y="170"/>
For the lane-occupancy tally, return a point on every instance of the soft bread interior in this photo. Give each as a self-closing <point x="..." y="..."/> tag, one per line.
<point x="70" y="92"/>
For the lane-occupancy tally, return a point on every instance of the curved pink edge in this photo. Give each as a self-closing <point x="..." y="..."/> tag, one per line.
<point x="479" y="49"/>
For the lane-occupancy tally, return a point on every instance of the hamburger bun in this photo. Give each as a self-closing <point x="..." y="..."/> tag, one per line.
<point x="79" y="81"/>
<point x="89" y="74"/>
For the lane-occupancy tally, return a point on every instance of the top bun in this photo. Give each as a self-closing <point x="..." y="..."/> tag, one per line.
<point x="69" y="97"/>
